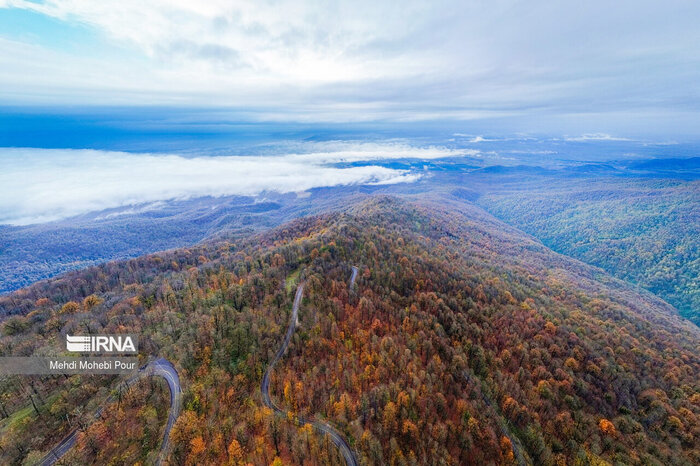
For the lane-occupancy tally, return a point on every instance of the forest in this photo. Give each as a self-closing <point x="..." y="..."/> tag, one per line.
<point x="645" y="231"/>
<point x="463" y="341"/>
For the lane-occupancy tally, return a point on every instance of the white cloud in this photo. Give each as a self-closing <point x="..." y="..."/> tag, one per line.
<point x="472" y="139"/>
<point x="245" y="44"/>
<point x="40" y="185"/>
<point x="361" y="60"/>
<point x="594" y="137"/>
<point x="352" y="151"/>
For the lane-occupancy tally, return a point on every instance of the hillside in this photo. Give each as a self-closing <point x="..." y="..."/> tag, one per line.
<point x="646" y="232"/>
<point x="35" y="252"/>
<point x="465" y="341"/>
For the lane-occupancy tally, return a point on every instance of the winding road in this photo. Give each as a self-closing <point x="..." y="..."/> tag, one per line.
<point x="163" y="368"/>
<point x="353" y="277"/>
<point x="158" y="368"/>
<point x="321" y="427"/>
<point x="518" y="451"/>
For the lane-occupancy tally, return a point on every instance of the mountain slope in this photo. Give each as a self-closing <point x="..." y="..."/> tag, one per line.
<point x="644" y="231"/>
<point x="465" y="341"/>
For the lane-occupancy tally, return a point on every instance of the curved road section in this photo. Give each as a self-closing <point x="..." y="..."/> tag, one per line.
<point x="158" y="368"/>
<point x="353" y="277"/>
<point x="518" y="451"/>
<point x="321" y="427"/>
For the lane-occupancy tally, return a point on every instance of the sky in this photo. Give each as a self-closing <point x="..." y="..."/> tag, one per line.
<point x="115" y="103"/>
<point x="611" y="67"/>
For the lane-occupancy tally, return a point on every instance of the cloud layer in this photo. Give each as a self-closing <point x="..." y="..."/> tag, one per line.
<point x="362" y="60"/>
<point x="40" y="185"/>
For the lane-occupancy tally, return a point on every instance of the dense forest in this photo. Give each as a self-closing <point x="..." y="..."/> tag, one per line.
<point x="128" y="431"/>
<point x="463" y="342"/>
<point x="645" y="231"/>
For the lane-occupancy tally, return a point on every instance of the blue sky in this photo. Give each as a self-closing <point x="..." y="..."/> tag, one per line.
<point x="624" y="66"/>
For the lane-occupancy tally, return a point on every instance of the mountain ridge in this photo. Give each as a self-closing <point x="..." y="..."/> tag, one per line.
<point x="453" y="309"/>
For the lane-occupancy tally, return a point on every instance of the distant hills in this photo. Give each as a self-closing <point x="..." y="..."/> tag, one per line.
<point x="635" y="218"/>
<point x="645" y="231"/>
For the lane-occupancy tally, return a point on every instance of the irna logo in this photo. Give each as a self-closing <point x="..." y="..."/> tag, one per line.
<point x="101" y="343"/>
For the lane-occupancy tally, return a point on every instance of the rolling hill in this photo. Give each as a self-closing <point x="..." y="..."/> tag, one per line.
<point x="644" y="231"/>
<point x="464" y="341"/>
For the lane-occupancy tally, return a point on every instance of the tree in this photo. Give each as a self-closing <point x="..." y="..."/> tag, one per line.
<point x="70" y="307"/>
<point x="235" y="453"/>
<point x="507" y="449"/>
<point x="92" y="301"/>
<point x="197" y="446"/>
<point x="607" y="427"/>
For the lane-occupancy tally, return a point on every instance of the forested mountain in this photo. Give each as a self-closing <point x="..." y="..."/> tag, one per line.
<point x="34" y="252"/>
<point x="464" y="341"/>
<point x="645" y="231"/>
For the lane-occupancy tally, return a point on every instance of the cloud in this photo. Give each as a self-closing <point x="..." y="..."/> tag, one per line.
<point x="472" y="139"/>
<point x="352" y="151"/>
<point x="255" y="42"/>
<point x="595" y="137"/>
<point x="41" y="185"/>
<point x="364" y="60"/>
